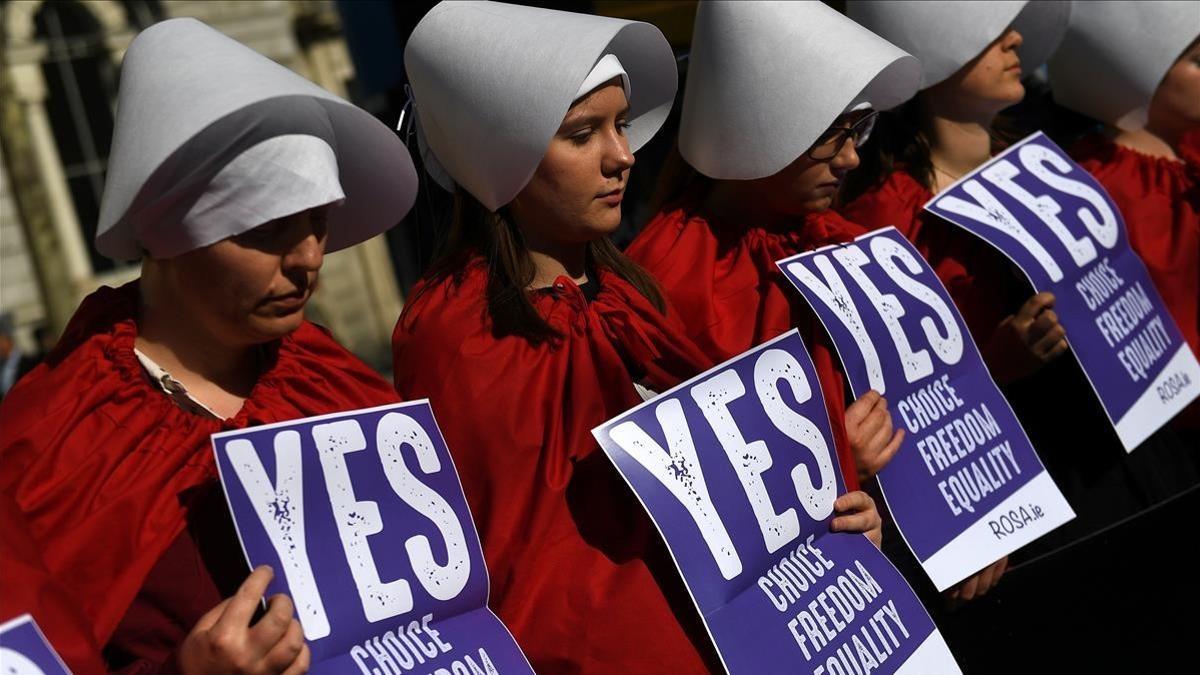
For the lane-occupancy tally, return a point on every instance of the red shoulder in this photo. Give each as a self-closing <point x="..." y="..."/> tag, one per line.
<point x="311" y="352"/>
<point x="897" y="201"/>
<point x="444" y="313"/>
<point x="677" y="233"/>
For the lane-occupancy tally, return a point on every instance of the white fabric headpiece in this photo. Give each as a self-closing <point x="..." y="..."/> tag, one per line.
<point x="276" y="178"/>
<point x="948" y="34"/>
<point x="491" y="83"/>
<point x="766" y="79"/>
<point x="213" y="139"/>
<point x="606" y="69"/>
<point x="1115" y="54"/>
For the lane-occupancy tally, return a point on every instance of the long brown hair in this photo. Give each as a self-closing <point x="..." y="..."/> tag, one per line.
<point x="497" y="238"/>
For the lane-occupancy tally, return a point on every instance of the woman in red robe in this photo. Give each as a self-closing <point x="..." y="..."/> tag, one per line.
<point x="944" y="132"/>
<point x="105" y="446"/>
<point x="533" y="329"/>
<point x="743" y="201"/>
<point x="1152" y="172"/>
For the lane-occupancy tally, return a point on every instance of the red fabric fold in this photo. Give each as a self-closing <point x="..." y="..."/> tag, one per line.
<point x="105" y="469"/>
<point x="578" y="573"/>
<point x="1160" y="201"/>
<point x="730" y="295"/>
<point x="27" y="587"/>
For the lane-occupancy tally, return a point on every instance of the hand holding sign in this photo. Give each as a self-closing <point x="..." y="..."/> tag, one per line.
<point x="736" y="468"/>
<point x="223" y="641"/>
<point x="363" y="514"/>
<point x="857" y="514"/>
<point x="978" y="584"/>
<point x="966" y="488"/>
<point x="1056" y="222"/>
<point x="1026" y="341"/>
<point x="873" y="438"/>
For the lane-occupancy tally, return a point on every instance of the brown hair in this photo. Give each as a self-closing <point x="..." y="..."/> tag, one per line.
<point x="677" y="178"/>
<point x="476" y="230"/>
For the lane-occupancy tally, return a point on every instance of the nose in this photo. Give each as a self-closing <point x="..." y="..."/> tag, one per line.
<point x="1012" y="39"/>
<point x="307" y="255"/>
<point x="847" y="157"/>
<point x="617" y="157"/>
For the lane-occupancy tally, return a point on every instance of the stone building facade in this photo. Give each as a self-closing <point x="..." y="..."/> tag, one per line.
<point x="59" y="69"/>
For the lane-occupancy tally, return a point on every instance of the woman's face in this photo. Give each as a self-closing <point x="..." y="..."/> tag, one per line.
<point x="575" y="195"/>
<point x="986" y="85"/>
<point x="808" y="184"/>
<point x="252" y="288"/>
<point x="1176" y="104"/>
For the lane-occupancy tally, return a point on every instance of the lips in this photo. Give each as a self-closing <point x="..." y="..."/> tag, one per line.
<point x="612" y="197"/>
<point x="285" y="304"/>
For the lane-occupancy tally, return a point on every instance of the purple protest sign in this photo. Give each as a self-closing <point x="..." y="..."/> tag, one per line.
<point x="24" y="650"/>
<point x="737" y="469"/>
<point x="1058" y="224"/>
<point x="363" y="518"/>
<point x="966" y="487"/>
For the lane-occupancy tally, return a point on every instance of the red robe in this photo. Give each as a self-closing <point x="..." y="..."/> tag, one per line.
<point x="1160" y="201"/>
<point x="732" y="297"/>
<point x="108" y="472"/>
<point x="27" y="587"/>
<point x="578" y="573"/>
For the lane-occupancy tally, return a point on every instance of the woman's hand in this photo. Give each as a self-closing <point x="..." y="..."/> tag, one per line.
<point x="873" y="440"/>
<point x="978" y="584"/>
<point x="223" y="641"/>
<point x="1027" y="340"/>
<point x="857" y="513"/>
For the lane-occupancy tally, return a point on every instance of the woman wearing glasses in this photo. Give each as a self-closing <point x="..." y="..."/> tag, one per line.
<point x="764" y="160"/>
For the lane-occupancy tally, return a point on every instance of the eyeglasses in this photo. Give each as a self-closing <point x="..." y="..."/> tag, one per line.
<point x="830" y="143"/>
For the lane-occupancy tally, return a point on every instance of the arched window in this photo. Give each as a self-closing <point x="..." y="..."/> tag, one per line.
<point x="81" y="91"/>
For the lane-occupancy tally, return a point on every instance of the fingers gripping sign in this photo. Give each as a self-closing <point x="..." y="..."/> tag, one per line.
<point x="959" y="475"/>
<point x="380" y="568"/>
<point x="225" y="641"/>
<point x="737" y="468"/>
<point x="874" y="439"/>
<point x="1060" y="227"/>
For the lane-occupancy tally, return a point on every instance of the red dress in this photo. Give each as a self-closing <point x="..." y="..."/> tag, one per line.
<point x="578" y="573"/>
<point x="109" y="474"/>
<point x="1160" y="201"/>
<point x="979" y="279"/>
<point x="723" y="279"/>
<point x="27" y="587"/>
